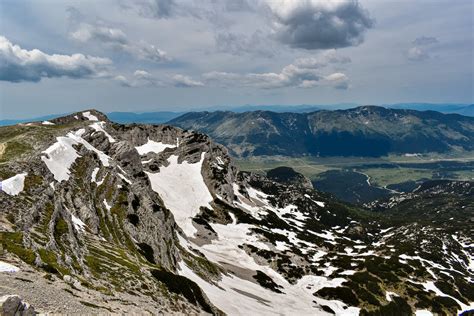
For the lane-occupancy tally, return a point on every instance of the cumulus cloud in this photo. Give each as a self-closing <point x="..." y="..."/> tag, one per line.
<point x="142" y="78"/>
<point x="18" y="64"/>
<point x="307" y="24"/>
<point x="322" y="60"/>
<point x="303" y="73"/>
<point x="421" y="48"/>
<point x="338" y="80"/>
<point x="320" y="24"/>
<point x="117" y="39"/>
<point x="185" y="81"/>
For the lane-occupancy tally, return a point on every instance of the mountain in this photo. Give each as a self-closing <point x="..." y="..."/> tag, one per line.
<point x="146" y="117"/>
<point x="463" y="109"/>
<point x="41" y="118"/>
<point x="468" y="110"/>
<point x="98" y="217"/>
<point x="118" y="117"/>
<point x="165" y="116"/>
<point x="363" y="131"/>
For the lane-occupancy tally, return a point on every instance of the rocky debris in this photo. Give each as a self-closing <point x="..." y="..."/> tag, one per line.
<point x="13" y="305"/>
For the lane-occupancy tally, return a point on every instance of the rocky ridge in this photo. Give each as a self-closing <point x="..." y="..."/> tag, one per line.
<point x="365" y="131"/>
<point x="111" y="215"/>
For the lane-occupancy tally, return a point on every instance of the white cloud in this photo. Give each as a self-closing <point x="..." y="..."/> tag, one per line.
<point x="338" y="80"/>
<point x="185" y="81"/>
<point x="303" y="73"/>
<point x="18" y="64"/>
<point x="142" y="78"/>
<point x="322" y="60"/>
<point x="116" y="39"/>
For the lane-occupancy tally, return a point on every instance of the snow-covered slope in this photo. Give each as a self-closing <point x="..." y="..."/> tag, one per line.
<point x="164" y="214"/>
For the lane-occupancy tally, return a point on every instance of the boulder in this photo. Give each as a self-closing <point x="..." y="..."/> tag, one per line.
<point x="13" y="305"/>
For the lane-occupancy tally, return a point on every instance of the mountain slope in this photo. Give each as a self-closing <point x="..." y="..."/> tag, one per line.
<point x="363" y="131"/>
<point x="105" y="215"/>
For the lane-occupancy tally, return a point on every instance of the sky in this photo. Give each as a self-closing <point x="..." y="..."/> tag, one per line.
<point x="60" y="56"/>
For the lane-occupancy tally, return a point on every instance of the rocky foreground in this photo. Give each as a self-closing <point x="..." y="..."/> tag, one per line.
<point x="97" y="217"/>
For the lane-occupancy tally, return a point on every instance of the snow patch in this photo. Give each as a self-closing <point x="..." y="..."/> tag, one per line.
<point x="78" y="224"/>
<point x="99" y="127"/>
<point x="94" y="177"/>
<point x="388" y="295"/>
<point x="232" y="293"/>
<point x="90" y="116"/>
<point x="124" y="178"/>
<point x="179" y="180"/>
<point x="14" y="185"/>
<point x="152" y="146"/>
<point x="61" y="155"/>
<point x="107" y="206"/>
<point x="47" y="123"/>
<point x="423" y="312"/>
<point x="6" y="267"/>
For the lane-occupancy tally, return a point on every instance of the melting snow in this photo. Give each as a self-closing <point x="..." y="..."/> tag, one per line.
<point x="90" y="116"/>
<point x="107" y="206"/>
<point x="78" y="224"/>
<point x="152" y="146"/>
<point x="94" y="177"/>
<point x="321" y="204"/>
<point x="61" y="155"/>
<point x="124" y="178"/>
<point x="179" y="180"/>
<point x="233" y="293"/>
<point x="423" y="312"/>
<point x="6" y="267"/>
<point x="99" y="127"/>
<point x="47" y="123"/>
<point x="219" y="161"/>
<point x="14" y="185"/>
<point x="388" y="295"/>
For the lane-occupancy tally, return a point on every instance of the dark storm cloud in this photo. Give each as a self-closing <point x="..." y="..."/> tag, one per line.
<point x="320" y="24"/>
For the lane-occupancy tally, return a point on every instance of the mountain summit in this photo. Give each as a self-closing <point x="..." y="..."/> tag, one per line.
<point x="369" y="131"/>
<point x="98" y="217"/>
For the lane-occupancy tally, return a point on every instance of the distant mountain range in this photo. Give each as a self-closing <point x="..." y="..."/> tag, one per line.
<point x="165" y="116"/>
<point x="369" y="131"/>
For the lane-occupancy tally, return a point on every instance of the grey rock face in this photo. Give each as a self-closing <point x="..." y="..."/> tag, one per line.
<point x="13" y="305"/>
